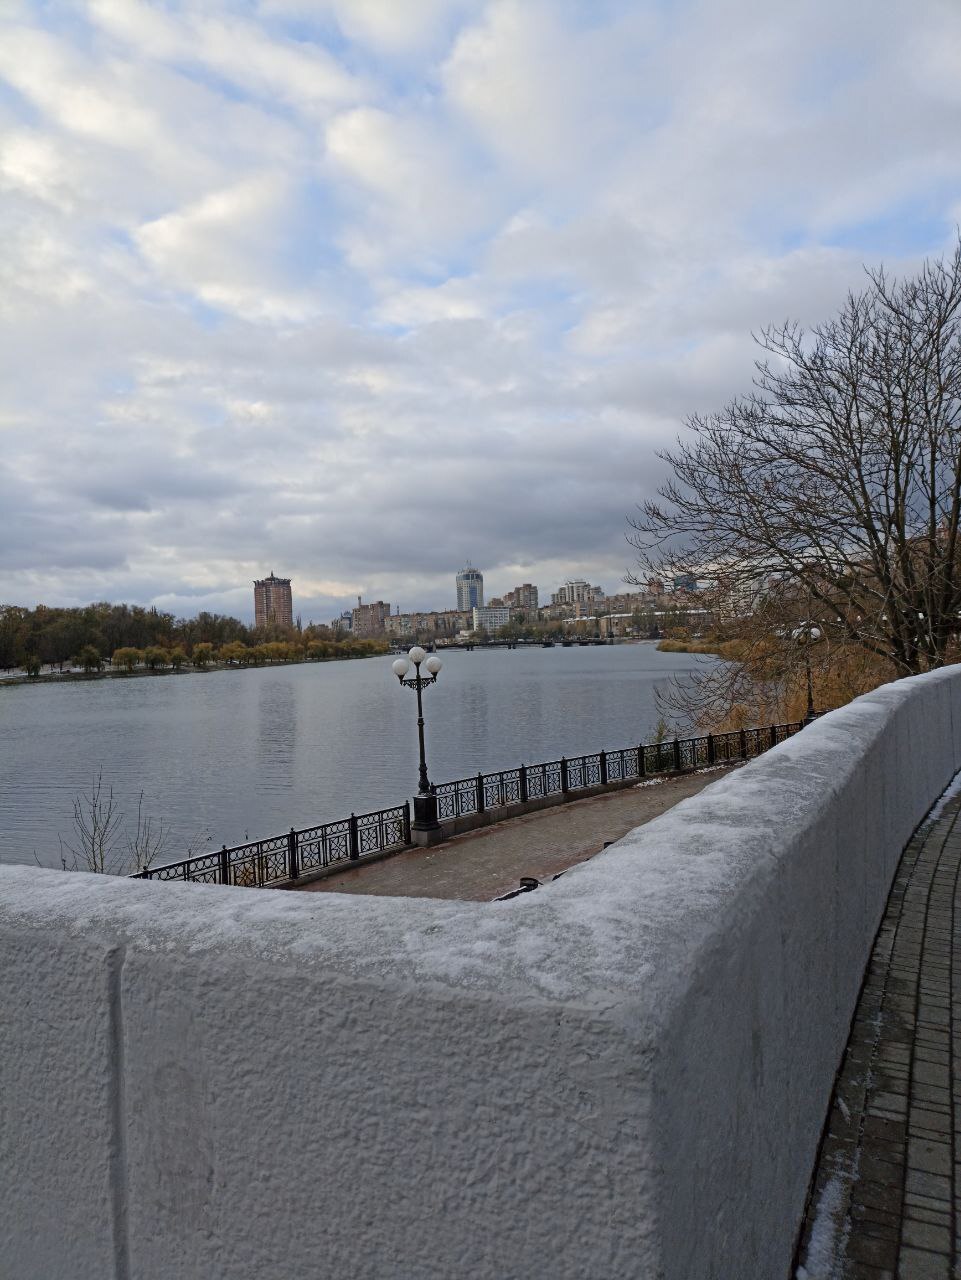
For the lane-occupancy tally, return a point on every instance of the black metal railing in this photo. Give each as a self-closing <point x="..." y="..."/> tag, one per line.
<point x="487" y="791"/>
<point x="287" y="857"/>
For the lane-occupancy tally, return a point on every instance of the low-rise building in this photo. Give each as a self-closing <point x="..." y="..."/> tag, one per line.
<point x="491" y="618"/>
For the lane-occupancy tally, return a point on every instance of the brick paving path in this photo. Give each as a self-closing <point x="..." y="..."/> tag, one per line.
<point x="887" y="1190"/>
<point x="482" y="865"/>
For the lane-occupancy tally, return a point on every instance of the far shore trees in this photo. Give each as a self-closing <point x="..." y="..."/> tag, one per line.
<point x="89" y="659"/>
<point x="203" y="654"/>
<point x="146" y="640"/>
<point x="126" y="659"/>
<point x="154" y="657"/>
<point x="828" y="499"/>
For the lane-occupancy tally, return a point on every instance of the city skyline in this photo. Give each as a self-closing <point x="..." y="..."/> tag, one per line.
<point x="284" y="277"/>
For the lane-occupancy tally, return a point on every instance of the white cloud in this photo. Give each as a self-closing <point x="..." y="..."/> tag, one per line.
<point x="223" y="249"/>
<point x="386" y="26"/>
<point x="282" y="283"/>
<point x="415" y="198"/>
<point x="293" y="72"/>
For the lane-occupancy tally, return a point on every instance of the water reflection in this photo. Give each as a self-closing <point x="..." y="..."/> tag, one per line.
<point x="277" y="732"/>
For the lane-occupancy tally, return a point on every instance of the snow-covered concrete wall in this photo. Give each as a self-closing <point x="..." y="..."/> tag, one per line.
<point x="622" y="1075"/>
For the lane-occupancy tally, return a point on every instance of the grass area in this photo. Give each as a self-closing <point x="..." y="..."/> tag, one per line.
<point x="692" y="646"/>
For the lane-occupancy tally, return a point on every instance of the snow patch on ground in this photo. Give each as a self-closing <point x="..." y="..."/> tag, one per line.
<point x="831" y="1227"/>
<point x="672" y="777"/>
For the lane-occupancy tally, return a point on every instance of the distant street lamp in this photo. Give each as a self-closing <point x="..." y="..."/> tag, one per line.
<point x="806" y="635"/>
<point x="425" y="802"/>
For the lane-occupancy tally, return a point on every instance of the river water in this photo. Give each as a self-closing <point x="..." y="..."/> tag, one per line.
<point x="225" y="756"/>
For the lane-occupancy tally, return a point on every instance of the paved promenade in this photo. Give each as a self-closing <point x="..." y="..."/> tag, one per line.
<point x="481" y="865"/>
<point x="887" y="1199"/>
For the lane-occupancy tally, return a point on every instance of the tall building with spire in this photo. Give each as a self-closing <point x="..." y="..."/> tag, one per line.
<point x="272" y="602"/>
<point x="470" y="589"/>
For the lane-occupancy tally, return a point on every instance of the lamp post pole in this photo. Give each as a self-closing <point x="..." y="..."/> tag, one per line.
<point x="807" y="667"/>
<point x="808" y="635"/>
<point x="425" y="802"/>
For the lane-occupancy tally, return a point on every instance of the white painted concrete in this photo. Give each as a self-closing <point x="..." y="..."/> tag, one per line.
<point x="623" y="1075"/>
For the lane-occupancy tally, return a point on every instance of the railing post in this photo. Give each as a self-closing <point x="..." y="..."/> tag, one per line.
<point x="773" y="735"/>
<point x="743" y="739"/>
<point x="711" y="755"/>
<point x="407" y="822"/>
<point x="641" y="765"/>
<point x="603" y="764"/>
<point x="480" y="793"/>
<point x="522" y="784"/>
<point x="677" y="754"/>
<point x="293" y="870"/>
<point x="224" y="866"/>
<point x="564" y="782"/>
<point x="354" y="841"/>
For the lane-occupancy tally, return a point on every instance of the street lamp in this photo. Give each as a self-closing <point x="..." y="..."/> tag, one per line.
<point x="425" y="802"/>
<point x="807" y="635"/>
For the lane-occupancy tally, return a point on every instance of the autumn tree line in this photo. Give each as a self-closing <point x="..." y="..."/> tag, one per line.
<point x="129" y="638"/>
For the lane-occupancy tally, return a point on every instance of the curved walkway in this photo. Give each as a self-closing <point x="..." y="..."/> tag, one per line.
<point x="886" y="1199"/>
<point x="481" y="865"/>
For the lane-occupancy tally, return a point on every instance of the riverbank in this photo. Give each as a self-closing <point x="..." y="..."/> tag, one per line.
<point x="68" y="677"/>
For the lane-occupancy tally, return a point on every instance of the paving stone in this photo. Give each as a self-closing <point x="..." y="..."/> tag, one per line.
<point x="878" y="1196"/>
<point x="926" y="1202"/>
<point x="924" y="1235"/>
<point x="861" y="1271"/>
<point x="862" y="1247"/>
<point x="918" y="1264"/>
<point x="934" y="1096"/>
<point x="886" y="1130"/>
<point x="893" y="1102"/>
<point x="940" y="1218"/>
<point x="932" y="1157"/>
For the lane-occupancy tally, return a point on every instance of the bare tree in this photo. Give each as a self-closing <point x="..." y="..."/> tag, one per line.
<point x="102" y="843"/>
<point x="147" y="843"/>
<point x="96" y="831"/>
<point x="838" y="479"/>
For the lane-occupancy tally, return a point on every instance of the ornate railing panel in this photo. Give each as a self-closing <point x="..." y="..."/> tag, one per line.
<point x="468" y="796"/>
<point x="281" y="858"/>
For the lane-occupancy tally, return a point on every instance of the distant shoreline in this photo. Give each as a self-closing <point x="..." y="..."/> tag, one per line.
<point x="71" y="677"/>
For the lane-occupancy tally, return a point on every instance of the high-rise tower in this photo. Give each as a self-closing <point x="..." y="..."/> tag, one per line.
<point x="470" y="589"/>
<point x="272" y="602"/>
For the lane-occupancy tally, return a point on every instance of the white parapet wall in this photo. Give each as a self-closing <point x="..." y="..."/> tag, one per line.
<point x="624" y="1074"/>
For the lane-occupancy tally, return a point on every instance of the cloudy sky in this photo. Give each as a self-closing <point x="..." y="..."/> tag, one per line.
<point x="354" y="290"/>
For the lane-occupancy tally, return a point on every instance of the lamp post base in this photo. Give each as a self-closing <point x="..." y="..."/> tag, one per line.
<point x="425" y="814"/>
<point x="425" y="829"/>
